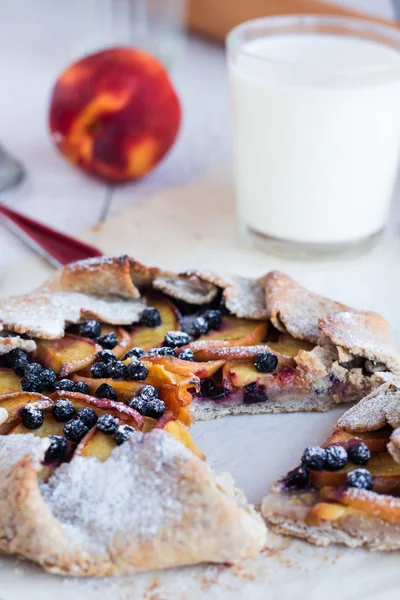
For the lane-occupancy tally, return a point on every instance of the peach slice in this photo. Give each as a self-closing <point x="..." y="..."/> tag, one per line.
<point x="102" y="406"/>
<point x="379" y="505"/>
<point x="11" y="404"/>
<point x="96" y="443"/>
<point x="125" y="389"/>
<point x="375" y="440"/>
<point x="9" y="382"/>
<point x="239" y="373"/>
<point x="181" y="385"/>
<point x="50" y="427"/>
<point x="184" y="416"/>
<point x="384" y="470"/>
<point x="149" y="337"/>
<point x="180" y="433"/>
<point x="175" y="390"/>
<point x="238" y="330"/>
<point x="326" y="511"/>
<point x="202" y="370"/>
<point x="66" y="355"/>
<point x="289" y="346"/>
<point x="219" y="350"/>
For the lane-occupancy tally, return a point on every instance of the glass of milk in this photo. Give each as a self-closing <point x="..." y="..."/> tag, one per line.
<point x="316" y="120"/>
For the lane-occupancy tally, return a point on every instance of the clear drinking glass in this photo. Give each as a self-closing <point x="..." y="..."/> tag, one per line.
<point x="316" y="122"/>
<point x="156" y="26"/>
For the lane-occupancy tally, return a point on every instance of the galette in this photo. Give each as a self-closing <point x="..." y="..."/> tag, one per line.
<point x="104" y="368"/>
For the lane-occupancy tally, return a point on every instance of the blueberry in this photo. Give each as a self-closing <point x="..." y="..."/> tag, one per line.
<point x="208" y="389"/>
<point x="17" y="359"/>
<point x="298" y="478"/>
<point x="106" y="391"/>
<point x="254" y="393"/>
<point x="75" y="430"/>
<point x="149" y="392"/>
<point x="63" y="410"/>
<point x="360" y="478"/>
<point x="109" y="340"/>
<point x="57" y="449"/>
<point x="123" y="433"/>
<point x="265" y="362"/>
<point x="90" y="329"/>
<point x="314" y="457"/>
<point x="136" y="371"/>
<point x="335" y="458"/>
<point x="137" y="403"/>
<point x="117" y="370"/>
<point x="107" y="424"/>
<point x="186" y="354"/>
<point x="106" y="356"/>
<point x="48" y="378"/>
<point x="164" y="351"/>
<point x="147" y="402"/>
<point x="150" y="317"/>
<point x="65" y="385"/>
<point x="199" y="327"/>
<point x="81" y="387"/>
<point x="213" y="318"/>
<point x="32" y="417"/>
<point x="88" y="416"/>
<point x="31" y="383"/>
<point x="99" y="370"/>
<point x="175" y="339"/>
<point x="359" y="453"/>
<point x="154" y="407"/>
<point x="33" y="369"/>
<point x="134" y="353"/>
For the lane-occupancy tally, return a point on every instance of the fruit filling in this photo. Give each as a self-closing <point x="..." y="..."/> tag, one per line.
<point x="93" y="388"/>
<point x="356" y="472"/>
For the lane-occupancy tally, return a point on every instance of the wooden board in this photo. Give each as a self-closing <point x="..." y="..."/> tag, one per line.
<point x="214" y="18"/>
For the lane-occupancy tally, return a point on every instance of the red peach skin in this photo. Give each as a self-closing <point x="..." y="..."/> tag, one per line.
<point x="114" y="114"/>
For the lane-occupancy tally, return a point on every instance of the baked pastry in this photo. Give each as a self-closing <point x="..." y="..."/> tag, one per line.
<point x="348" y="490"/>
<point x="103" y="369"/>
<point x="270" y="345"/>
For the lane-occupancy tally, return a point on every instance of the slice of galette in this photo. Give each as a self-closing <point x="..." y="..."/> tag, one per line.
<point x="348" y="490"/>
<point x="152" y="504"/>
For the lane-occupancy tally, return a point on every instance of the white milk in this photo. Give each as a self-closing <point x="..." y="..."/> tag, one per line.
<point x="317" y="136"/>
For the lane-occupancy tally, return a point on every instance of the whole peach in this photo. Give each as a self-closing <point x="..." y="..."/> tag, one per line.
<point x="114" y="113"/>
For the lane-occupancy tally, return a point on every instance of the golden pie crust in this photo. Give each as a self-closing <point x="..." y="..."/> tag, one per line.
<point x="177" y="512"/>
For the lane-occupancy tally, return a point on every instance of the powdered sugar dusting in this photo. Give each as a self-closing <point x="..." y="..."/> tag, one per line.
<point x="9" y="341"/>
<point x="46" y="314"/>
<point x="374" y="499"/>
<point x="374" y="411"/>
<point x="293" y="308"/>
<point x="92" y="263"/>
<point x="244" y="297"/>
<point x="134" y="494"/>
<point x="186" y="287"/>
<point x="363" y="333"/>
<point x="15" y="447"/>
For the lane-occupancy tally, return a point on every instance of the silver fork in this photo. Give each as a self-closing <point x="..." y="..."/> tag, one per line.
<point x="12" y="171"/>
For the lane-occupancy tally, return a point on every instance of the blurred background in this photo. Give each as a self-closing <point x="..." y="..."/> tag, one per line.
<point x="40" y="38"/>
